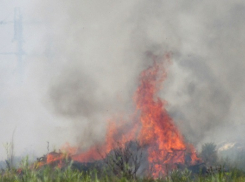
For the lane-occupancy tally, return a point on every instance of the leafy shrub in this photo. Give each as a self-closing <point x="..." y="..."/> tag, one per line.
<point x="209" y="154"/>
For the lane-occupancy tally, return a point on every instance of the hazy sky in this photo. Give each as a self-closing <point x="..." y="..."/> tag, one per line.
<point x="83" y="59"/>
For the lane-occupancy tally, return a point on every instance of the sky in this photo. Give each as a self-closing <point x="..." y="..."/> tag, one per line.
<point x="82" y="61"/>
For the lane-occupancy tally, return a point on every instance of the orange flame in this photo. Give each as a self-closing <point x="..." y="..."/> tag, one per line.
<point x="166" y="145"/>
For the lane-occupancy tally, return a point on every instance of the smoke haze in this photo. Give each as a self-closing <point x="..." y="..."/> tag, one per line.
<point x="83" y="60"/>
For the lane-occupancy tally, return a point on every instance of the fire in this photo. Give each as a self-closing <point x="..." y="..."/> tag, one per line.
<point x="57" y="159"/>
<point x="166" y="145"/>
<point x="151" y="126"/>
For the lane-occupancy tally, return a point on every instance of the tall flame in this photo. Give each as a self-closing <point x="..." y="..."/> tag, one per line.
<point x="166" y="145"/>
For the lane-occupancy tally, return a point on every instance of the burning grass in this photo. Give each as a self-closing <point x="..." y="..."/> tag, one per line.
<point x="150" y="124"/>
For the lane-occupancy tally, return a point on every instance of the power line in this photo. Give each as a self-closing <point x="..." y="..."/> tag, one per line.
<point x="18" y="36"/>
<point x="4" y="20"/>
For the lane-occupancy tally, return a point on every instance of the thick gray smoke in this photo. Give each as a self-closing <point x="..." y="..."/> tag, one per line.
<point x="87" y="56"/>
<point x="104" y="45"/>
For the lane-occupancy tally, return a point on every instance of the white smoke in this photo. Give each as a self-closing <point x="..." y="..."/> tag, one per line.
<point x="84" y="59"/>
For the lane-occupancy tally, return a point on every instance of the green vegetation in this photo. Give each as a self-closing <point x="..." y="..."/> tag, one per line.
<point x="122" y="165"/>
<point x="48" y="174"/>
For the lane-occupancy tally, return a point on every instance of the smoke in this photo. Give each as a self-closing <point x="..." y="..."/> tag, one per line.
<point x="85" y="56"/>
<point x="212" y="81"/>
<point x="104" y="46"/>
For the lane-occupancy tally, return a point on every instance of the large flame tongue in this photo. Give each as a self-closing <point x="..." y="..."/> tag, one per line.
<point x="166" y="145"/>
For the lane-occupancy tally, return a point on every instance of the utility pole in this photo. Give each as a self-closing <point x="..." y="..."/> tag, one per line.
<point x="18" y="37"/>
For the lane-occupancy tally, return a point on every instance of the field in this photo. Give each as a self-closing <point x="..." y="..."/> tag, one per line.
<point x="48" y="174"/>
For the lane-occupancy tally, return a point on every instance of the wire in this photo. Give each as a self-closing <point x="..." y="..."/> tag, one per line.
<point x="4" y="47"/>
<point x="4" y="20"/>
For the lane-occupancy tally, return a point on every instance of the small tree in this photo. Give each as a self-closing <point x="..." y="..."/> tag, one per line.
<point x="209" y="154"/>
<point x="125" y="159"/>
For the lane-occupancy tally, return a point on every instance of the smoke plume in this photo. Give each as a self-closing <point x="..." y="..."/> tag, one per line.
<point x="86" y="57"/>
<point x="104" y="46"/>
